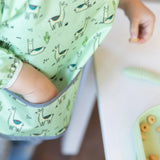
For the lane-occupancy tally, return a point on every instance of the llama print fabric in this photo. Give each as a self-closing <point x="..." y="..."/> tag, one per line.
<point x="57" y="37"/>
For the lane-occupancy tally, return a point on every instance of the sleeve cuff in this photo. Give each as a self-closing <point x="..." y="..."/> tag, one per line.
<point x="16" y="73"/>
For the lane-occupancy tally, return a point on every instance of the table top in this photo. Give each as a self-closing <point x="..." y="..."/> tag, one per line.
<point x="121" y="99"/>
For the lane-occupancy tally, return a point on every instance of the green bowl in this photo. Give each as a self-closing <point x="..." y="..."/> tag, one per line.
<point x="151" y="145"/>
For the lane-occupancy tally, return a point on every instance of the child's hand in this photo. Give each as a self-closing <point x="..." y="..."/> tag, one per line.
<point x="141" y="20"/>
<point x="33" y="85"/>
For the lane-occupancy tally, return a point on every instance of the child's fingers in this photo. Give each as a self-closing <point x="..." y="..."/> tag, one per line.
<point x="145" y="31"/>
<point x="141" y="32"/>
<point x="134" y="31"/>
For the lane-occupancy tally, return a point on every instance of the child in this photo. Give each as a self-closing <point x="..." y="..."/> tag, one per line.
<point x="44" y="45"/>
<point x="37" y="88"/>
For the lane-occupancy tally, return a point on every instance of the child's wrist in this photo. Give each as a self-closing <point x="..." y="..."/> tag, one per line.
<point x="42" y="93"/>
<point x="123" y="4"/>
<point x="32" y="84"/>
<point x="25" y="81"/>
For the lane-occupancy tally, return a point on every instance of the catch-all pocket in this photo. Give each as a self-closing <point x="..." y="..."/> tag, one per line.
<point x="23" y="120"/>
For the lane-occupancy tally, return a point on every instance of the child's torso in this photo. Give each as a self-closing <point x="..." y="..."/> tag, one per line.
<point x="57" y="37"/>
<point x="53" y="35"/>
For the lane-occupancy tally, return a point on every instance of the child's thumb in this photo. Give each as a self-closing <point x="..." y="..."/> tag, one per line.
<point x="134" y="29"/>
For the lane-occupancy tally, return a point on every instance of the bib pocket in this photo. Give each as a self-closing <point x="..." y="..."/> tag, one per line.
<point x="24" y="120"/>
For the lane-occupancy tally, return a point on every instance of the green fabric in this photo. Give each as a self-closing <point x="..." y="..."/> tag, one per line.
<point x="57" y="38"/>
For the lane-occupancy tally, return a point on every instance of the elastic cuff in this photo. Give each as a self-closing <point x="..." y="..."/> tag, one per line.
<point x="16" y="73"/>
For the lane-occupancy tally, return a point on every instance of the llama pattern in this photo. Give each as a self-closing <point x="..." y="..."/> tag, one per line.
<point x="59" y="18"/>
<point x="42" y="119"/>
<point x="59" y="54"/>
<point x="32" y="50"/>
<point x="83" y="6"/>
<point x="57" y="43"/>
<point x="14" y="123"/>
<point x="72" y="67"/>
<point x="80" y="32"/>
<point x="32" y="10"/>
<point x="107" y="17"/>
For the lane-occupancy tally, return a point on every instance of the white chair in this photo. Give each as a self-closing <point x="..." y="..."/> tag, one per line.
<point x="71" y="141"/>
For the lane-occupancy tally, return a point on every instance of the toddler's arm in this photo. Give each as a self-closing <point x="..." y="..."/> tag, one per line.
<point x="141" y="19"/>
<point x="33" y="85"/>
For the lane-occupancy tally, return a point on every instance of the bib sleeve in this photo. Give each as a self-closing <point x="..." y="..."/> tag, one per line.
<point x="10" y="67"/>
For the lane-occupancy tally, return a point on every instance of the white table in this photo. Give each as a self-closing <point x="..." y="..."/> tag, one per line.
<point x="121" y="99"/>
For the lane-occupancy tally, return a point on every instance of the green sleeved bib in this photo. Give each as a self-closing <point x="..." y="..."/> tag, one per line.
<point x="57" y="37"/>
